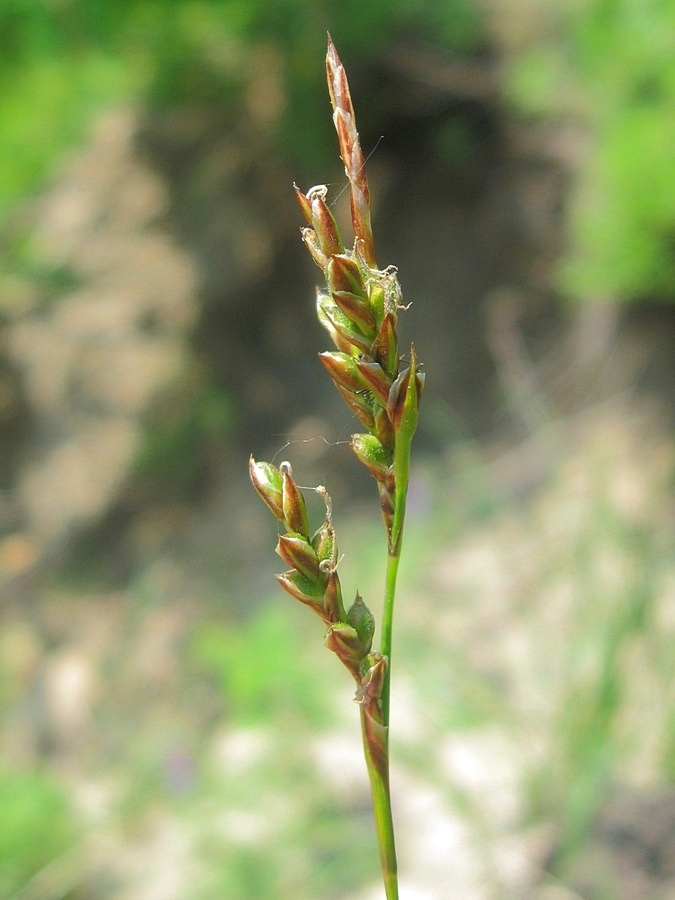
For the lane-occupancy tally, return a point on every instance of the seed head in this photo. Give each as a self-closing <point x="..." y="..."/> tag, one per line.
<point x="351" y="153"/>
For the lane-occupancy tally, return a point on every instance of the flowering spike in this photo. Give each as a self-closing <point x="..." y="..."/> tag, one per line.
<point x="359" y="309"/>
<point x="351" y="153"/>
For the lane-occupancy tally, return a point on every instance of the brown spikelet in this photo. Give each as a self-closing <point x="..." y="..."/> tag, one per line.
<point x="351" y="153"/>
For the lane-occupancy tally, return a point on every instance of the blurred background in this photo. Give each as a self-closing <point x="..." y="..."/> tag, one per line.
<point x="170" y="724"/>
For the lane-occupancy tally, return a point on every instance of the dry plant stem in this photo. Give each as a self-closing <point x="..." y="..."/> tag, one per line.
<point x="359" y="309"/>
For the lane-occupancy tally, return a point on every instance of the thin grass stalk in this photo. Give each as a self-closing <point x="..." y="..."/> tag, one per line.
<point x="386" y="640"/>
<point x="359" y="309"/>
<point x="378" y="774"/>
<point x="406" y="430"/>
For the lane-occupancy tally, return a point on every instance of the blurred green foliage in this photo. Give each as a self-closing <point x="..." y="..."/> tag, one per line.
<point x="318" y="847"/>
<point x="179" y="431"/>
<point x="61" y="61"/>
<point x="611" y="65"/>
<point x="36" y="825"/>
<point x="608" y="63"/>
<point x="263" y="666"/>
<point x="591" y="736"/>
<point x="538" y="629"/>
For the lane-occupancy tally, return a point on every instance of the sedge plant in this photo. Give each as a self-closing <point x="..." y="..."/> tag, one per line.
<point x="359" y="309"/>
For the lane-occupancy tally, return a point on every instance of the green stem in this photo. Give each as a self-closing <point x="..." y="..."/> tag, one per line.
<point x="376" y="744"/>
<point x="404" y="436"/>
<point x="377" y="761"/>
<point x="388" y="626"/>
<point x="379" y="774"/>
<point x="376" y="732"/>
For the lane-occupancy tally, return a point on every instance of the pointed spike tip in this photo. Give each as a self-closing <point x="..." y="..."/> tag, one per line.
<point x="331" y="52"/>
